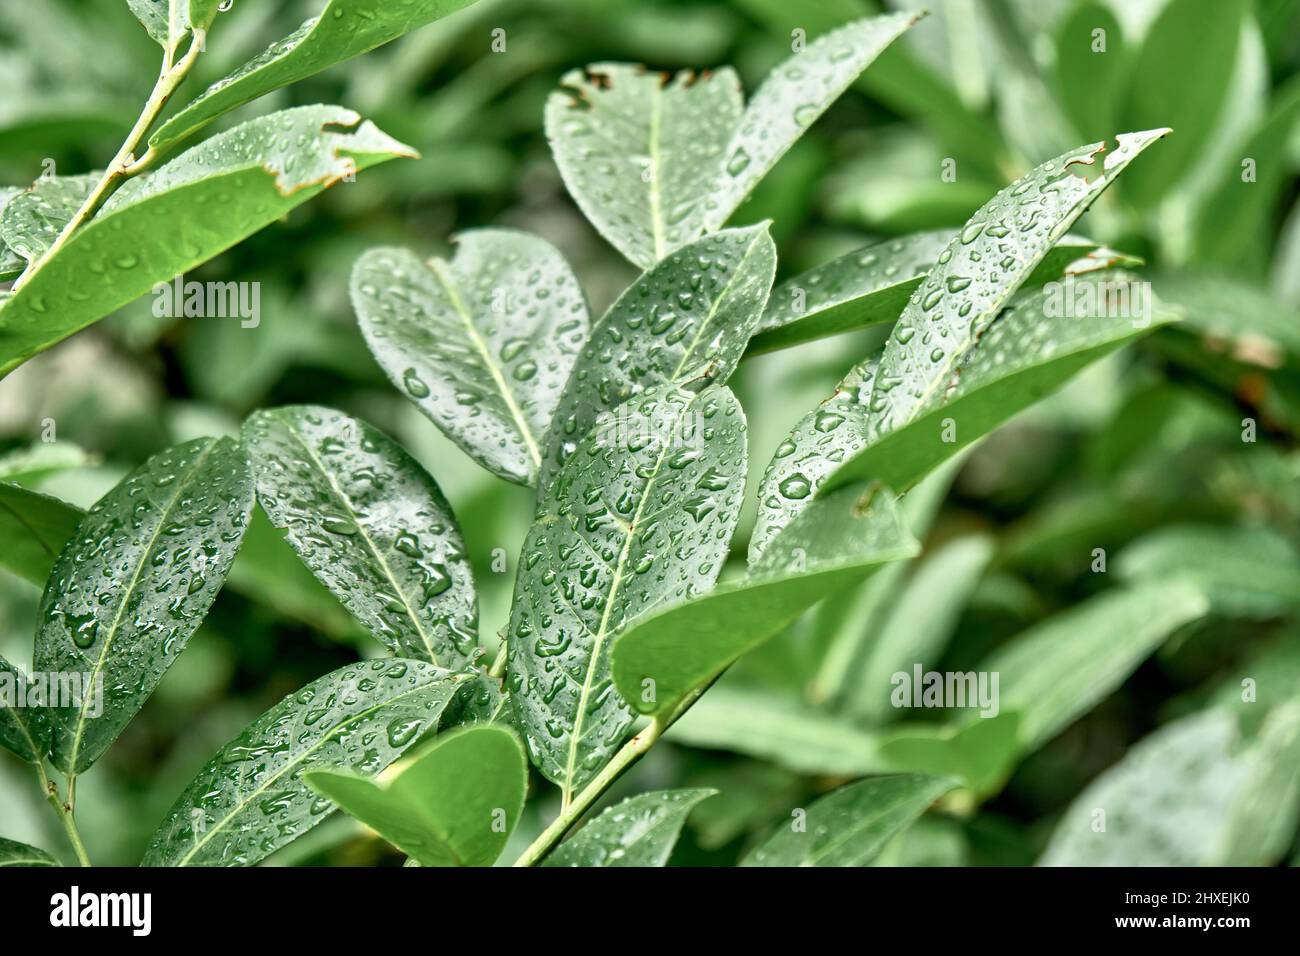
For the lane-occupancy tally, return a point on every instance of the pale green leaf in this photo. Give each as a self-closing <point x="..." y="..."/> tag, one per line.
<point x="244" y="179"/>
<point x="640" y="831"/>
<point x="686" y="322"/>
<point x="982" y="753"/>
<point x="250" y="799"/>
<point x="133" y="584"/>
<point x="483" y="344"/>
<point x="452" y="802"/>
<point x="372" y="525"/>
<point x="13" y="853"/>
<point x="33" y="529"/>
<point x="343" y="29"/>
<point x="24" y="715"/>
<point x="851" y="826"/>
<point x="33" y="219"/>
<point x="23" y="466"/>
<point x="666" y="655"/>
<point x="640" y="516"/>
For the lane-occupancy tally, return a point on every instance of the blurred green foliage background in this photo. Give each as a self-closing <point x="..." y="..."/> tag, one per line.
<point x="1147" y="439"/>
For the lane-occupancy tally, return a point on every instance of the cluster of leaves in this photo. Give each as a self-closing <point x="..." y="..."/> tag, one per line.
<point x="636" y="448"/>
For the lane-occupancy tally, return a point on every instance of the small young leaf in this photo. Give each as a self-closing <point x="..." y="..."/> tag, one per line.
<point x="640" y="516"/>
<point x="664" y="656"/>
<point x="33" y="529"/>
<point x="13" y="853"/>
<point x="24" y="730"/>
<point x="852" y="825"/>
<point x="168" y="21"/>
<point x="371" y="525"/>
<point x="453" y="802"/>
<point x="244" y="179"/>
<point x="640" y="831"/>
<point x="639" y="151"/>
<point x="342" y="30"/>
<point x="134" y="582"/>
<point x="1059" y="669"/>
<point x="686" y="322"/>
<point x="497" y="329"/>
<point x="33" y="219"/>
<point x="250" y="799"/>
<point x="792" y="97"/>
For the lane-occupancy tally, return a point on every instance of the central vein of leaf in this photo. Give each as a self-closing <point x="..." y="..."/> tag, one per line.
<point x="714" y="307"/>
<point x="653" y="150"/>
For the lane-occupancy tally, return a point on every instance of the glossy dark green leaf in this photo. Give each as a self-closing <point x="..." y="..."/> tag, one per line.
<point x="343" y="29"/>
<point x="792" y="97"/>
<point x="841" y="538"/>
<point x="453" y="802"/>
<point x="639" y="151"/>
<point x="13" y="853"/>
<point x="33" y="219"/>
<point x="852" y="825"/>
<point x="250" y="799"/>
<point x="640" y="516"/>
<point x="24" y="715"/>
<point x="134" y="582"/>
<point x="1031" y="350"/>
<point x="483" y="344"/>
<point x="33" y="529"/>
<point x="371" y="525"/>
<point x="244" y="178"/>
<point x="640" y="831"/>
<point x="1059" y="669"/>
<point x="686" y="322"/>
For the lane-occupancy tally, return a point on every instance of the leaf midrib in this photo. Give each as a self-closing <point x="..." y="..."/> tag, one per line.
<point x="343" y="500"/>
<point x="439" y="270"/>
<point x="714" y="307"/>
<point x="194" y="468"/>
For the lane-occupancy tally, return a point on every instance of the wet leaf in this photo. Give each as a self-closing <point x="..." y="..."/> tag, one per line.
<point x="25" y="729"/>
<point x="852" y="825"/>
<point x="641" y="515"/>
<point x="13" y="853"/>
<point x="841" y="538"/>
<point x="1030" y="351"/>
<point x="34" y="217"/>
<point x="33" y="528"/>
<point x="343" y="29"/>
<point x="483" y="345"/>
<point x="640" y="831"/>
<point x="371" y="525"/>
<point x="132" y="585"/>
<point x="169" y="21"/>
<point x="245" y="179"/>
<point x="685" y="322"/>
<point x="250" y="799"/>
<point x="11" y="263"/>
<point x="1060" y="669"/>
<point x="453" y="802"/>
<point x="639" y="150"/>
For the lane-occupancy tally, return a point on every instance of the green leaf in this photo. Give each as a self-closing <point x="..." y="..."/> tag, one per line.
<point x="169" y="21"/>
<point x="686" y="322"/>
<point x="11" y="263"/>
<point x="1189" y="794"/>
<point x="483" y="345"/>
<point x="342" y="30"/>
<point x="862" y="288"/>
<point x="453" y="802"/>
<point x="1058" y="670"/>
<point x="982" y="753"/>
<point x="33" y="219"/>
<point x="918" y="626"/>
<point x="24" y="715"/>
<point x="780" y="729"/>
<point x="851" y="826"/>
<point x="23" y="466"/>
<point x="666" y="655"/>
<point x="1236" y="317"/>
<point x="639" y="151"/>
<point x="133" y="584"/>
<point x="1090" y="80"/>
<point x="640" y="516"/>
<point x="1180" y="78"/>
<point x="792" y="97"/>
<point x="244" y="179"/>
<point x="371" y="525"/>
<point x="13" y="853"/>
<point x="250" y="799"/>
<point x="1249" y="572"/>
<point x="640" y="831"/>
<point x="33" y="528"/>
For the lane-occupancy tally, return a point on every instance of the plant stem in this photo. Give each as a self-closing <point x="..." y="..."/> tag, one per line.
<point x="498" y="668"/>
<point x="64" y="813"/>
<point x="124" y="164"/>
